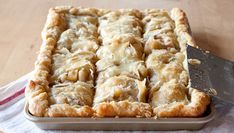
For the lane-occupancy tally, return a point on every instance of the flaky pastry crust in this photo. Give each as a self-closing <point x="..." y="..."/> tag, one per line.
<point x="65" y="110"/>
<point x="198" y="100"/>
<point x="195" y="108"/>
<point x="123" y="109"/>
<point x="71" y="54"/>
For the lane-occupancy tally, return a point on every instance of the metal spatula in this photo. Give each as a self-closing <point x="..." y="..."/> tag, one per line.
<point x="212" y="74"/>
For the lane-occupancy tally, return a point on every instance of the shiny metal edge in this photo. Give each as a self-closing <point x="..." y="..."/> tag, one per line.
<point x="74" y="123"/>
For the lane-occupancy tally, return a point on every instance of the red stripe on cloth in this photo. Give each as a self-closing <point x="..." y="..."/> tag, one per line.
<point x="8" y="99"/>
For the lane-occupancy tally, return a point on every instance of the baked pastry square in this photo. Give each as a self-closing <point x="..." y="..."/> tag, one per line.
<point x="122" y="63"/>
<point x="122" y="96"/>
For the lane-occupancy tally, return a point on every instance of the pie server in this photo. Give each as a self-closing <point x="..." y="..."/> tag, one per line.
<point x="211" y="74"/>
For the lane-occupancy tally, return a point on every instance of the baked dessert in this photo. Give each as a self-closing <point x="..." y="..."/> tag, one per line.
<point x="122" y="63"/>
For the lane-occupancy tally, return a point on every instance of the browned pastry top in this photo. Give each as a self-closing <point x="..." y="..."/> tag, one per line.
<point x="103" y="63"/>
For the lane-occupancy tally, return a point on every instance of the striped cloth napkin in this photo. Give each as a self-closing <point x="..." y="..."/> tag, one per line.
<point x="12" y="119"/>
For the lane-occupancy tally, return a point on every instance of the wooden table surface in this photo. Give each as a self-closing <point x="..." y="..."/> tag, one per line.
<point x="21" y="22"/>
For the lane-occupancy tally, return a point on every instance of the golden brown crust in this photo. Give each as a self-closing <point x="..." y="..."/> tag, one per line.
<point x="65" y="110"/>
<point x="195" y="108"/>
<point x="182" y="28"/>
<point x="36" y="89"/>
<point x="37" y="98"/>
<point x="123" y="109"/>
<point x="121" y="33"/>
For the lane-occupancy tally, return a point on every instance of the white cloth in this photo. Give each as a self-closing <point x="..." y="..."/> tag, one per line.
<point x="12" y="119"/>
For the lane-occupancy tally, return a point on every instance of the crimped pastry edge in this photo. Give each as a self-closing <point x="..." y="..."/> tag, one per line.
<point x="35" y="92"/>
<point x="37" y="96"/>
<point x="195" y="108"/>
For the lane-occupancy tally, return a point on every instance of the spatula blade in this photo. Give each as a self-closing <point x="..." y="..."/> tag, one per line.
<point x="213" y="75"/>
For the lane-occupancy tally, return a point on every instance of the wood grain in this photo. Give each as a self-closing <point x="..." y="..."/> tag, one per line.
<point x="212" y="23"/>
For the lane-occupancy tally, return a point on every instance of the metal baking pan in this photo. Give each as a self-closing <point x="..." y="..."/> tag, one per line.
<point x="74" y="123"/>
<point x="122" y="124"/>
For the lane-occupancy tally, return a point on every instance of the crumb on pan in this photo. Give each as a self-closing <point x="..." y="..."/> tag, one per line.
<point x="194" y="61"/>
